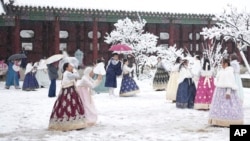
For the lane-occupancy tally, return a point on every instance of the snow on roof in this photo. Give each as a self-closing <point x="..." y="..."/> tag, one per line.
<point x="173" y="6"/>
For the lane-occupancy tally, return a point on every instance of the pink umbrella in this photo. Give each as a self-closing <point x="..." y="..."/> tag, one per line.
<point x="120" y="48"/>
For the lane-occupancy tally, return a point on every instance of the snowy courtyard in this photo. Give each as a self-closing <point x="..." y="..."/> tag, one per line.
<point x="149" y="116"/>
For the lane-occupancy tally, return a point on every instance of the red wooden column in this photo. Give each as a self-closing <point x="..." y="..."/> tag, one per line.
<point x="56" y="35"/>
<point x="16" y="36"/>
<point x="95" y="39"/>
<point x="171" y="34"/>
<point x="209" y="41"/>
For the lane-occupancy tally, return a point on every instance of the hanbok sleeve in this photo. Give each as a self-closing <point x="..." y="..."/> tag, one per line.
<point x="236" y="67"/>
<point x="86" y="82"/>
<point x="72" y="76"/>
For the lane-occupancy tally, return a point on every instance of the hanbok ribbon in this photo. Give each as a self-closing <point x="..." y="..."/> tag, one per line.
<point x="207" y="80"/>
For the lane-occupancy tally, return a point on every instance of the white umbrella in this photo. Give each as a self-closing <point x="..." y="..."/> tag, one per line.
<point x="54" y="58"/>
<point x="72" y="60"/>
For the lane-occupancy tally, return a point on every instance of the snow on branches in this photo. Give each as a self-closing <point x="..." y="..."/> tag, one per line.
<point x="231" y="24"/>
<point x="169" y="55"/>
<point x="215" y="54"/>
<point x="234" y="25"/>
<point x="132" y="33"/>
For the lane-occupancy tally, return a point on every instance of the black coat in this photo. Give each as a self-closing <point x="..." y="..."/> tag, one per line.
<point x="53" y="72"/>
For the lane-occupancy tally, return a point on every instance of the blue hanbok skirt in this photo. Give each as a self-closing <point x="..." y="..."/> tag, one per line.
<point x="186" y="94"/>
<point x="30" y="82"/>
<point x="128" y="86"/>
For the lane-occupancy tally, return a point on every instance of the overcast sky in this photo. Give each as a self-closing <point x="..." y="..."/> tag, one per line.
<point x="176" y="6"/>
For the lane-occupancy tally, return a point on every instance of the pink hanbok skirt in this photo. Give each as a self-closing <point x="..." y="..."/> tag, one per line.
<point x="204" y="93"/>
<point x="88" y="105"/>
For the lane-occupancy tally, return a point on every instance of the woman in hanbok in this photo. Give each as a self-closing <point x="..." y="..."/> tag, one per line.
<point x="13" y="74"/>
<point x="84" y="87"/>
<point x="236" y="66"/>
<point x="68" y="112"/>
<point x="173" y="81"/>
<point x="100" y="76"/>
<point x="30" y="83"/>
<point x="226" y="107"/>
<point x="195" y="69"/>
<point x="128" y="84"/>
<point x="114" y="69"/>
<point x="186" y="88"/>
<point x="161" y="76"/>
<point x="205" y="89"/>
<point x="42" y="75"/>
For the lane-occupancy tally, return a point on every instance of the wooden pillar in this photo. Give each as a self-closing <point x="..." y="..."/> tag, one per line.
<point x="95" y="39"/>
<point x="56" y="35"/>
<point x="193" y="40"/>
<point x="16" y="36"/>
<point x="181" y="37"/>
<point x="171" y="34"/>
<point x="78" y="35"/>
<point x="209" y="41"/>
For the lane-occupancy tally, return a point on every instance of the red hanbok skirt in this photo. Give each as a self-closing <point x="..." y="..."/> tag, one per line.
<point x="68" y="111"/>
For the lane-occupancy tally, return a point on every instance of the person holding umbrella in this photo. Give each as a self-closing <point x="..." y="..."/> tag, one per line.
<point x="52" y="64"/>
<point x="114" y="69"/>
<point x="13" y="74"/>
<point x="53" y="75"/>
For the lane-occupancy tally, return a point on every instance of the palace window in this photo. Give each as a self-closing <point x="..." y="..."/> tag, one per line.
<point x="164" y="35"/>
<point x="197" y="36"/>
<point x="63" y="34"/>
<point x="26" y="39"/>
<point x="90" y="35"/>
<point x="191" y="47"/>
<point x="164" y="45"/>
<point x="27" y="46"/>
<point x="63" y="46"/>
<point x="91" y="46"/>
<point x="27" y="33"/>
<point x="197" y="47"/>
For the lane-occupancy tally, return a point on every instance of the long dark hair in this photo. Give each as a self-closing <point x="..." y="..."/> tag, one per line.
<point x="206" y="60"/>
<point x="65" y="66"/>
<point x="124" y="61"/>
<point x="99" y="60"/>
<point x="182" y="64"/>
<point x="178" y="60"/>
<point x="226" y="60"/>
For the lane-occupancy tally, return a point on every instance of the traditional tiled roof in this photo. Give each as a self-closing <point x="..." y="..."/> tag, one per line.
<point x="77" y="14"/>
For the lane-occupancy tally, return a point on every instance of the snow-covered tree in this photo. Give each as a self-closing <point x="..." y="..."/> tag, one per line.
<point x="169" y="55"/>
<point x="234" y="25"/>
<point x="215" y="53"/>
<point x="132" y="33"/>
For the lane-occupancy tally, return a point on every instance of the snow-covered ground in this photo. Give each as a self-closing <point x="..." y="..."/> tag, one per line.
<point x="24" y="116"/>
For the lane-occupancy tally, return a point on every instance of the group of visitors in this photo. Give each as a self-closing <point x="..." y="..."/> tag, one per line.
<point x="198" y="85"/>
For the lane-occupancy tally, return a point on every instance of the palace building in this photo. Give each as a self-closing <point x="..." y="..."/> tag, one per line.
<point x="46" y="30"/>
